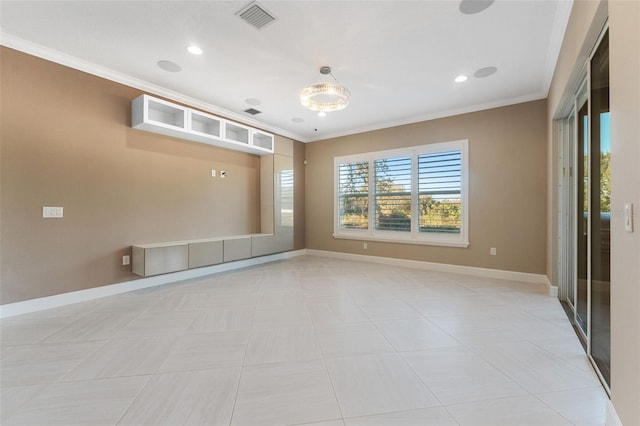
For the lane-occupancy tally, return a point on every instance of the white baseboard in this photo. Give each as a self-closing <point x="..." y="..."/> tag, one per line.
<point x="612" y="415"/>
<point x="49" y="302"/>
<point x="441" y="267"/>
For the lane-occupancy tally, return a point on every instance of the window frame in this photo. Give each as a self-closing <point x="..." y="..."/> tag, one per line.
<point x="460" y="239"/>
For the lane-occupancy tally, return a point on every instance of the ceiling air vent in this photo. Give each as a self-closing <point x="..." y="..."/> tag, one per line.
<point x="252" y="111"/>
<point x="256" y="15"/>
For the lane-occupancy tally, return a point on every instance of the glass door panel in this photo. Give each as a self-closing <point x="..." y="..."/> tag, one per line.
<point x="600" y="209"/>
<point x="570" y="208"/>
<point x="582" y="211"/>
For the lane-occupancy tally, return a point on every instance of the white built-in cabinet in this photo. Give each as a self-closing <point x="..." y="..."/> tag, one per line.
<point x="166" y="118"/>
<point x="276" y="189"/>
<point x="174" y="256"/>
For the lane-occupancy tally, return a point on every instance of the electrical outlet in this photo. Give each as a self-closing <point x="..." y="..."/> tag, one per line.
<point x="492" y="251"/>
<point x="213" y="172"/>
<point x="365" y="246"/>
<point x="126" y="260"/>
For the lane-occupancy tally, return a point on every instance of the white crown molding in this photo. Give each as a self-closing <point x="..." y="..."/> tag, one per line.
<point x="434" y="116"/>
<point x="441" y="267"/>
<point x="57" y="57"/>
<point x="49" y="302"/>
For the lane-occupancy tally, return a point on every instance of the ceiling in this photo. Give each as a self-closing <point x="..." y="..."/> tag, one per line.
<point x="398" y="58"/>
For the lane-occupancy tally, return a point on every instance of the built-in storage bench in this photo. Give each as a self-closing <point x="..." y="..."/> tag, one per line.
<point x="263" y="244"/>
<point x="174" y="256"/>
<point x="206" y="253"/>
<point x="237" y="248"/>
<point x="155" y="259"/>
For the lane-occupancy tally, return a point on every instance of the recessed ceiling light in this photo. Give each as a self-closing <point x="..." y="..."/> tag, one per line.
<point x="253" y="101"/>
<point x="169" y="66"/>
<point x="460" y="78"/>
<point x="322" y="114"/>
<point x="194" y="50"/>
<point x="470" y="7"/>
<point x="485" y="72"/>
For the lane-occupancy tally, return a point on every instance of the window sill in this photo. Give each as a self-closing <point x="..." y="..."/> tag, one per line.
<point x="424" y="242"/>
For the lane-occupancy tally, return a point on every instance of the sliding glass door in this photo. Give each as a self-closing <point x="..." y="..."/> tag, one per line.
<point x="584" y="225"/>
<point x="600" y="208"/>
<point x="582" y="209"/>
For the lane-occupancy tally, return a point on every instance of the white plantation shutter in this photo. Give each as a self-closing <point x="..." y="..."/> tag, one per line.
<point x="393" y="194"/>
<point x="414" y="195"/>
<point x="439" y="189"/>
<point x="353" y="195"/>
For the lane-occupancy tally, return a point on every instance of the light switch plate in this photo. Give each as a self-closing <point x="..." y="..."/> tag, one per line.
<point x="52" y="212"/>
<point x="628" y="217"/>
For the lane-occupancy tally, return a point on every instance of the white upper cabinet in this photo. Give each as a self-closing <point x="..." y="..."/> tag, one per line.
<point x="166" y="118"/>
<point x="262" y="140"/>
<point x="204" y="125"/>
<point x="236" y="133"/>
<point x="156" y="115"/>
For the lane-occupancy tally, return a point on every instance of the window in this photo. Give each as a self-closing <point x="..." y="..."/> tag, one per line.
<point x="415" y="195"/>
<point x="353" y="201"/>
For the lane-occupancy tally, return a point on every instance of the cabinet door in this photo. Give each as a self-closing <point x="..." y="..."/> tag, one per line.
<point x="236" y="133"/>
<point x="204" y="125"/>
<point x="262" y="140"/>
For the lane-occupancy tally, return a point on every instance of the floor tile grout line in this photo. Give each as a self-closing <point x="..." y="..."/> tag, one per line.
<point x="398" y="411"/>
<point x="552" y="409"/>
<point x="497" y="366"/>
<point x="333" y="388"/>
<point x="326" y="368"/>
<point x="421" y="380"/>
<point x="135" y="399"/>
<point x="244" y="360"/>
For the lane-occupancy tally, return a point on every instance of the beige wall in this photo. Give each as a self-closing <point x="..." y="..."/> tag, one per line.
<point x="624" y="21"/>
<point x="507" y="187"/>
<point x="299" y="195"/>
<point x="66" y="141"/>
<point x="587" y="19"/>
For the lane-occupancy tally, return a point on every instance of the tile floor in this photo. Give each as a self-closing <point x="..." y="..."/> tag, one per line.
<point x="305" y="341"/>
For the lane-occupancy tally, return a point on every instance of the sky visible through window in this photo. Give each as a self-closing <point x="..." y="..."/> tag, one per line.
<point x="605" y="126"/>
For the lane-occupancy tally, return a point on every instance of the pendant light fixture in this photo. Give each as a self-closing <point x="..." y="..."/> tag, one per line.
<point x="325" y="97"/>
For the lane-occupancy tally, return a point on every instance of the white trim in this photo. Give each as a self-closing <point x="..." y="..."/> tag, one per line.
<point x="52" y="55"/>
<point x="431" y="116"/>
<point x="441" y="267"/>
<point x="432" y="241"/>
<point x="49" y="302"/>
<point x="612" y="415"/>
